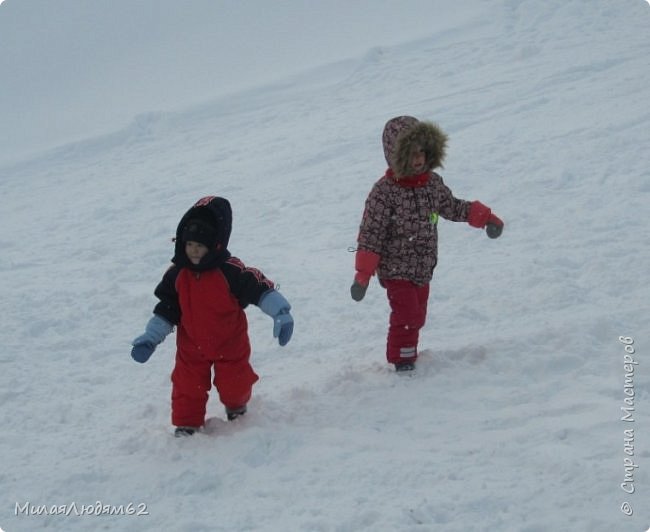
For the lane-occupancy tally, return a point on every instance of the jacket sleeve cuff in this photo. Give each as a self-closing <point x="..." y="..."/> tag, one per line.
<point x="479" y="214"/>
<point x="366" y="262"/>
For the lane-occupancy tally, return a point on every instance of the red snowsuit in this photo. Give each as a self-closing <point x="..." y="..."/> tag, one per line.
<point x="212" y="333"/>
<point x="207" y="303"/>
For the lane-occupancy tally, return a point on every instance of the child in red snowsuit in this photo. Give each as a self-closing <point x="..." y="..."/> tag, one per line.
<point x="398" y="237"/>
<point x="203" y="294"/>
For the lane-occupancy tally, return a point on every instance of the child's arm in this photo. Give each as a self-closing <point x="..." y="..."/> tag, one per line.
<point x="376" y="218"/>
<point x="250" y="285"/>
<point x="168" y="307"/>
<point x="472" y="212"/>
<point x="246" y="284"/>
<point x="166" y="315"/>
<point x="372" y="232"/>
<point x="449" y="207"/>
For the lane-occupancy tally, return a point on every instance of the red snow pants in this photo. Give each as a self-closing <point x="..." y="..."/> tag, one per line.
<point x="192" y="379"/>
<point x="408" y="304"/>
<point x="212" y="337"/>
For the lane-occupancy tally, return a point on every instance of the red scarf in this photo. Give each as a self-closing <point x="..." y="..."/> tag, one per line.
<point x="411" y="181"/>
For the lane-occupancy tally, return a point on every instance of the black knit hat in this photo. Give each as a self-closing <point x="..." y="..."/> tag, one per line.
<point x="200" y="231"/>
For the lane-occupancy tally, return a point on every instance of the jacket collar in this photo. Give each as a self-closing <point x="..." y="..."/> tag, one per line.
<point x="411" y="181"/>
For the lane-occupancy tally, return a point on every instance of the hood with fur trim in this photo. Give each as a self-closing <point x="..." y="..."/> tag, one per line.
<point x="217" y="213"/>
<point x="404" y="133"/>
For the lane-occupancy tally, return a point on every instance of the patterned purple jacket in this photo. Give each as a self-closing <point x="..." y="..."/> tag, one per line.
<point x="401" y="213"/>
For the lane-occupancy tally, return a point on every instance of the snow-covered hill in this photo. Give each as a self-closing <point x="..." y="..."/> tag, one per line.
<point x="73" y="68"/>
<point x="513" y="420"/>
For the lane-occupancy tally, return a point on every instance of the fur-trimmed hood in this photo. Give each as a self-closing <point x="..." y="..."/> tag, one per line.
<point x="402" y="134"/>
<point x="216" y="212"/>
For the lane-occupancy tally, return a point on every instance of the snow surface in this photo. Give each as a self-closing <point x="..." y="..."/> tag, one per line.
<point x="513" y="419"/>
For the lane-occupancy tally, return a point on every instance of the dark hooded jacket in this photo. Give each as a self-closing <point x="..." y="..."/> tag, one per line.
<point x="217" y="213"/>
<point x="401" y="212"/>
<point x="206" y="300"/>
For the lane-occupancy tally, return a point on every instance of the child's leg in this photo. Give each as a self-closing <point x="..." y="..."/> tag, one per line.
<point x="423" y="298"/>
<point x="190" y="386"/>
<point x="408" y="303"/>
<point x="234" y="379"/>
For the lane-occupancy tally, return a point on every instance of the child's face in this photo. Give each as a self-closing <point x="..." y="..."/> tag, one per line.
<point x="418" y="160"/>
<point x="195" y="251"/>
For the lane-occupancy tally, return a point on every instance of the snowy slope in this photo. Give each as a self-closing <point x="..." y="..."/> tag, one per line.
<point x="73" y="68"/>
<point x="513" y="421"/>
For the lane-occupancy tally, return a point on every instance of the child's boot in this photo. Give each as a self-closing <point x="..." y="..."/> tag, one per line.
<point x="181" y="432"/>
<point x="404" y="366"/>
<point x="234" y="413"/>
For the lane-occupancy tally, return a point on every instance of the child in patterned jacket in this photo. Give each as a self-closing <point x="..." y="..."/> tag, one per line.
<point x="398" y="236"/>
